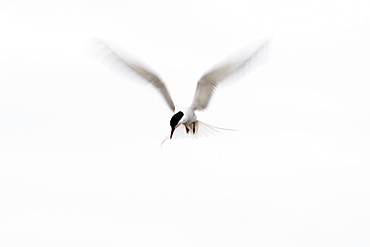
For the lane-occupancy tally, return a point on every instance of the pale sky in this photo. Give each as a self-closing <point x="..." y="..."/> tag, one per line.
<point x="80" y="157"/>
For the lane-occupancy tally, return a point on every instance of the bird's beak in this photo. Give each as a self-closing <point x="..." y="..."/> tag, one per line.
<point x="172" y="130"/>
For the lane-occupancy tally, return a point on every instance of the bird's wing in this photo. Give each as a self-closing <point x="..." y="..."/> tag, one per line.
<point x="245" y="59"/>
<point x="114" y="57"/>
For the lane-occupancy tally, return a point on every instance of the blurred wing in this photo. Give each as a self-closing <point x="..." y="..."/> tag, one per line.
<point x="245" y="59"/>
<point x="114" y="57"/>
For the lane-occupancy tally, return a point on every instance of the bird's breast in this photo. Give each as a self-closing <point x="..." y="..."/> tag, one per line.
<point x="190" y="117"/>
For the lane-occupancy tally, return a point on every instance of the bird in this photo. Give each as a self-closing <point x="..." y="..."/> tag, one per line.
<point x="206" y="85"/>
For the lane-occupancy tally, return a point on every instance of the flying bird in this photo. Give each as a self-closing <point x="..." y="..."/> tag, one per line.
<point x="185" y="116"/>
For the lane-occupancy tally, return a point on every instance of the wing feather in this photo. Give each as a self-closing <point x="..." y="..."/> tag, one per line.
<point x="210" y="80"/>
<point x="114" y="57"/>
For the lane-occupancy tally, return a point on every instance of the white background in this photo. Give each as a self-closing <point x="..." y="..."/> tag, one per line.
<point x="80" y="156"/>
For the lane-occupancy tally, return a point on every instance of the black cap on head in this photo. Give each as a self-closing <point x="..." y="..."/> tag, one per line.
<point x="175" y="119"/>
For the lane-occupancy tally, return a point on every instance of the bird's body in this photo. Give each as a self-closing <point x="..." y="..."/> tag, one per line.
<point x="188" y="120"/>
<point x="185" y="116"/>
<point x="189" y="115"/>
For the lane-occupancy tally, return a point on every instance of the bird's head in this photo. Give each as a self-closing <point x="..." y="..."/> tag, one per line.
<point x="175" y="121"/>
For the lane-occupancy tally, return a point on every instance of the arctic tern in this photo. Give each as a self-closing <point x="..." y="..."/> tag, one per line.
<point x="185" y="117"/>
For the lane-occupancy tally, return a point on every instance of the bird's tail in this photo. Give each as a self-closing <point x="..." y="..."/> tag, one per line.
<point x="196" y="130"/>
